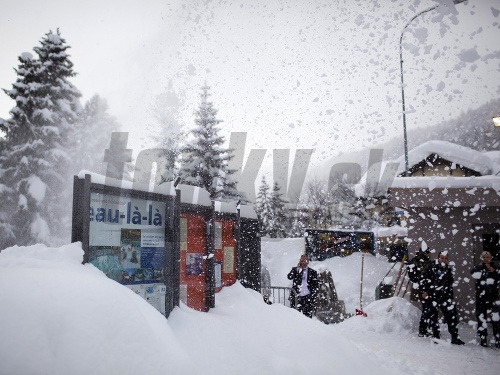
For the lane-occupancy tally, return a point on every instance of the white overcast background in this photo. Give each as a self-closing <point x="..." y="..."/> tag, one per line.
<point x="293" y="74"/>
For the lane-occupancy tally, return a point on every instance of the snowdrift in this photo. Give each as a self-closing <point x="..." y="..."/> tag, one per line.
<point x="58" y="316"/>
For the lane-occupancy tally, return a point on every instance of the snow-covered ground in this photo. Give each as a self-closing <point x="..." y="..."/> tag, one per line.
<point x="58" y="316"/>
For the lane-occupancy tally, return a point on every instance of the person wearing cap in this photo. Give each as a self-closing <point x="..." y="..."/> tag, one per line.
<point x="437" y="291"/>
<point x="416" y="268"/>
<point x="487" y="299"/>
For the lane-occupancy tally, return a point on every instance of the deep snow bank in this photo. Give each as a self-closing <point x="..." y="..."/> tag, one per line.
<point x="61" y="317"/>
<point x="58" y="316"/>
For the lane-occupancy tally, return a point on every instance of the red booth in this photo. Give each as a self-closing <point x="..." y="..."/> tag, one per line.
<point x="225" y="244"/>
<point x="196" y="246"/>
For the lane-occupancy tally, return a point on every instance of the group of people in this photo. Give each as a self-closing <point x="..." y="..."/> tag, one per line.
<point x="433" y="285"/>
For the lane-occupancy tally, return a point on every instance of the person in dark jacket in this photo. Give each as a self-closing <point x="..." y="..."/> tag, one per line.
<point x="487" y="299"/>
<point x="416" y="269"/>
<point x="437" y="291"/>
<point x="305" y="286"/>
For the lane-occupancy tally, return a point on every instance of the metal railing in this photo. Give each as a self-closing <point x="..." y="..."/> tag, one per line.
<point x="279" y="294"/>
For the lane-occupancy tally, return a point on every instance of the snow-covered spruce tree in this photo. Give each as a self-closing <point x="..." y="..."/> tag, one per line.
<point x="7" y="236"/>
<point x="263" y="207"/>
<point x="91" y="136"/>
<point x="35" y="161"/>
<point x="204" y="160"/>
<point x="278" y="227"/>
<point x="169" y="134"/>
<point x="18" y="153"/>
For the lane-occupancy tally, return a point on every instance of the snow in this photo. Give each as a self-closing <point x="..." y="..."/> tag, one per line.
<point x="486" y="163"/>
<point x="225" y="207"/>
<point x="61" y="317"/>
<point x="40" y="229"/>
<point x="391" y="231"/>
<point x="96" y="178"/>
<point x="469" y="55"/>
<point x="192" y="194"/>
<point x="248" y="211"/>
<point x="279" y="256"/>
<point x="433" y="182"/>
<point x="36" y="188"/>
<point x="465" y="156"/>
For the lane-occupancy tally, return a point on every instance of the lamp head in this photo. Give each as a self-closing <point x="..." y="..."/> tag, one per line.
<point x="496" y="121"/>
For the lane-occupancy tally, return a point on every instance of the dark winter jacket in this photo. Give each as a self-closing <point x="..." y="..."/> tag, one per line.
<point x="437" y="282"/>
<point x="487" y="284"/>
<point x="312" y="280"/>
<point x="417" y="267"/>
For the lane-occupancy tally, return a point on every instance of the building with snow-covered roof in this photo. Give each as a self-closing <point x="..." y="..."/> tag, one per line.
<point x="441" y="158"/>
<point x="451" y="200"/>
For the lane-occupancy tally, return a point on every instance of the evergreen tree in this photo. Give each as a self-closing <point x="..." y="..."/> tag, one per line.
<point x="278" y="215"/>
<point x="34" y="160"/>
<point x="263" y="207"/>
<point x="92" y="136"/>
<point x="205" y="159"/>
<point x="19" y="153"/>
<point x="167" y="112"/>
<point x="270" y="208"/>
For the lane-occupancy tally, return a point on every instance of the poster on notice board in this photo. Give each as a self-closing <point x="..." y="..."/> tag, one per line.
<point x="127" y="243"/>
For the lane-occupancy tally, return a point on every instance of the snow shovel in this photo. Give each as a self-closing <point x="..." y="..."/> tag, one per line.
<point x="360" y="311"/>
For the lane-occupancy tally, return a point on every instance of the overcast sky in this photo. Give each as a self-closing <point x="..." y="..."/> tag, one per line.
<point x="321" y="74"/>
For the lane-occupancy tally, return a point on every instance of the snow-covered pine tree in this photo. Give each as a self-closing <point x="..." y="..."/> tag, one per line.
<point x="64" y="104"/>
<point x="35" y="161"/>
<point x="263" y="207"/>
<point x="7" y="236"/>
<point x="167" y="108"/>
<point x="278" y="228"/>
<point x="204" y="160"/>
<point x="91" y="136"/>
<point x="18" y="153"/>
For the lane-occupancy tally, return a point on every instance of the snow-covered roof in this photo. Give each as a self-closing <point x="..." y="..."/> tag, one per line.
<point x="486" y="163"/>
<point x="192" y="194"/>
<point x="247" y="211"/>
<point x="390" y="231"/>
<point x="467" y="157"/>
<point x="495" y="161"/>
<point x="108" y="181"/>
<point x="225" y="207"/>
<point x="189" y="194"/>
<point x="434" y="182"/>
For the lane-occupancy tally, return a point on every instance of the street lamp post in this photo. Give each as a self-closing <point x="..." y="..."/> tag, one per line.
<point x="402" y="80"/>
<point x="403" y="84"/>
